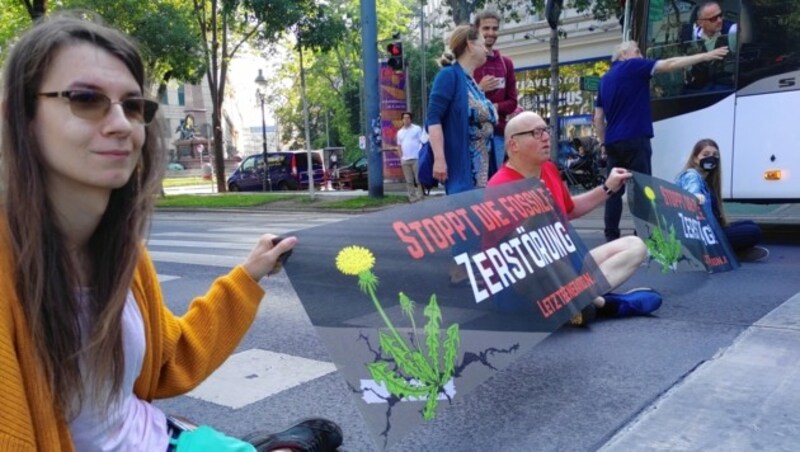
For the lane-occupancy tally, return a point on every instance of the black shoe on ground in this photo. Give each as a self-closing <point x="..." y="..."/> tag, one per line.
<point x="754" y="254"/>
<point x="309" y="435"/>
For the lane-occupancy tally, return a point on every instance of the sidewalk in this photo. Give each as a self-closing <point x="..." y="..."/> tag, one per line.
<point x="745" y="398"/>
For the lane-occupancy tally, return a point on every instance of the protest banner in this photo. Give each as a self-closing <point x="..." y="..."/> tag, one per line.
<point x="419" y="304"/>
<point x="680" y="233"/>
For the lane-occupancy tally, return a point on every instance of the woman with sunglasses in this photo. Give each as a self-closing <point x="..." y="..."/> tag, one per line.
<point x="702" y="176"/>
<point x="86" y="341"/>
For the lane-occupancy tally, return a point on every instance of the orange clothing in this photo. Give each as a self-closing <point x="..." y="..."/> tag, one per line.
<point x="181" y="351"/>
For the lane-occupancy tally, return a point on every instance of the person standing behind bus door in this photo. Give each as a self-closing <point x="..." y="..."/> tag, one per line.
<point x="711" y="31"/>
<point x="622" y="117"/>
<point x="448" y="120"/>
<point x="702" y="176"/>
<point x="496" y="78"/>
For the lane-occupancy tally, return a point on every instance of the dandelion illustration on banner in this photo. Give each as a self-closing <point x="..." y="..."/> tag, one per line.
<point x="662" y="246"/>
<point x="406" y="372"/>
<point x="679" y="231"/>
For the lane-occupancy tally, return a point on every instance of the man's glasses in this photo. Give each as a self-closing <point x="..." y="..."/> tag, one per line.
<point x="713" y="18"/>
<point x="536" y="133"/>
<point x="93" y="105"/>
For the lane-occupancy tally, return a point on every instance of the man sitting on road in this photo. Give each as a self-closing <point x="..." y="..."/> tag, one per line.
<point x="528" y="149"/>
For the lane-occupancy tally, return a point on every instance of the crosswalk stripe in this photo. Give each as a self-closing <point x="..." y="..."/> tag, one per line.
<point x="206" y="245"/>
<point x="240" y="238"/>
<point x="211" y="260"/>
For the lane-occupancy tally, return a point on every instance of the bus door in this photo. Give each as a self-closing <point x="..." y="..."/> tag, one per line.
<point x="693" y="104"/>
<point x="766" y="153"/>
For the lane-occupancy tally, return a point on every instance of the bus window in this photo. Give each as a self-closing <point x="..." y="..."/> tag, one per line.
<point x="770" y="51"/>
<point x="676" y="29"/>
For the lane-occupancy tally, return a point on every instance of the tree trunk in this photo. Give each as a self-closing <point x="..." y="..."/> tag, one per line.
<point x="220" y="73"/>
<point x="36" y="8"/>
<point x="461" y="10"/>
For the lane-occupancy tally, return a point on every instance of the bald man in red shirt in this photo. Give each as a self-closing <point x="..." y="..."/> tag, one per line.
<point x="528" y="148"/>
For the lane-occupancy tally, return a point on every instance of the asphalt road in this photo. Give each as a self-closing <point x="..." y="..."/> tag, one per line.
<point x="574" y="391"/>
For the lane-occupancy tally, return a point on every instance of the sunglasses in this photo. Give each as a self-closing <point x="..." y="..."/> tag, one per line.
<point x="537" y="132"/>
<point x="713" y="18"/>
<point x="93" y="105"/>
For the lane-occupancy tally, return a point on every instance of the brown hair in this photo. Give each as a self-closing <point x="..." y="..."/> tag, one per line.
<point x="486" y="14"/>
<point x="713" y="178"/>
<point x="46" y="276"/>
<point x="457" y="44"/>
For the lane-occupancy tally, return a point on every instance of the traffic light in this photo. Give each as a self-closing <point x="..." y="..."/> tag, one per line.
<point x="395" y="50"/>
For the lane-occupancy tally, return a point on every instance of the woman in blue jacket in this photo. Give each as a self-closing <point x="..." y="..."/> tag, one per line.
<point x="459" y="114"/>
<point x="702" y="177"/>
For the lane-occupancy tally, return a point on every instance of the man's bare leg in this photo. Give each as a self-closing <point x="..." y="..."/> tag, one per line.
<point x="618" y="259"/>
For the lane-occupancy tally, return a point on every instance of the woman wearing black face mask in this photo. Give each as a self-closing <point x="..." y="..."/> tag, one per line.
<point x="702" y="177"/>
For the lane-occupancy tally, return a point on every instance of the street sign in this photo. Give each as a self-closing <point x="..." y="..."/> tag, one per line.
<point x="590" y="83"/>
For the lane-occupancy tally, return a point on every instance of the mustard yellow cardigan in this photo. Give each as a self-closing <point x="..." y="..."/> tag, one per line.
<point x="181" y="351"/>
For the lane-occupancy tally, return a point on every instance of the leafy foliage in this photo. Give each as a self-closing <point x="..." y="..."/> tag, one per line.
<point x="333" y="70"/>
<point x="165" y="29"/>
<point x="414" y="374"/>
<point x="664" y="249"/>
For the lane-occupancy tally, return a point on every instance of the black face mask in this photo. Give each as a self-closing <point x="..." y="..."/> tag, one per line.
<point x="709" y="163"/>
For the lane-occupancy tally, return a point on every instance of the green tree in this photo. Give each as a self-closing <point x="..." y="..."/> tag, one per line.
<point x="334" y="78"/>
<point x="165" y="29"/>
<point x="226" y="25"/>
<point x="13" y="18"/>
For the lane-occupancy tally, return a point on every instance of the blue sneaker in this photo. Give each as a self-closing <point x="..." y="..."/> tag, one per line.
<point x="632" y="303"/>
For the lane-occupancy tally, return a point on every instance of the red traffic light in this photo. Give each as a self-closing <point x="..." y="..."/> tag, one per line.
<point x="395" y="49"/>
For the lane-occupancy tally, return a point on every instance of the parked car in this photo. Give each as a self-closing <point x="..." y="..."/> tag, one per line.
<point x="288" y="170"/>
<point x="354" y="175"/>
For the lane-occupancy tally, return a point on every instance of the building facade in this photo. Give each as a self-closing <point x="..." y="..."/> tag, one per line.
<point x="186" y="111"/>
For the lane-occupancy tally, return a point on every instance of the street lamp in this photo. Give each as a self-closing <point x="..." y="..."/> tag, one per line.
<point x="262" y="85"/>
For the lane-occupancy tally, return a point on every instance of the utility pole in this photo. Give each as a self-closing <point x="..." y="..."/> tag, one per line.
<point x="310" y="169"/>
<point x="262" y="84"/>
<point x="553" y="14"/>
<point x="423" y="91"/>
<point x="369" y="43"/>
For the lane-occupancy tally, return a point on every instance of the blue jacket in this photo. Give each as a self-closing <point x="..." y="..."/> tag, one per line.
<point x="449" y="106"/>
<point x="693" y="182"/>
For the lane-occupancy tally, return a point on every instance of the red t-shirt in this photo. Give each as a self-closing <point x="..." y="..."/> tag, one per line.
<point x="549" y="176"/>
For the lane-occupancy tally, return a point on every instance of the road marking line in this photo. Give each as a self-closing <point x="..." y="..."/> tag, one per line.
<point x="211" y="260"/>
<point x="256" y="374"/>
<point x="206" y="245"/>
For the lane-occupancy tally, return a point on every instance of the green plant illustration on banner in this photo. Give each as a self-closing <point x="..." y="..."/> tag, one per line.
<point x="663" y="247"/>
<point x="420" y="371"/>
